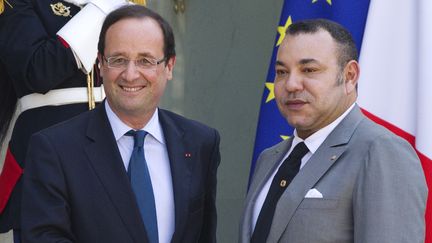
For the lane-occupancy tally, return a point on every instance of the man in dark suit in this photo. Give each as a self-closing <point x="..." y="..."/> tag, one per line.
<point x="340" y="177"/>
<point x="81" y="182"/>
<point x="42" y="79"/>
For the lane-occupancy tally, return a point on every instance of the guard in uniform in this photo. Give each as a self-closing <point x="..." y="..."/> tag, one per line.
<point x="47" y="53"/>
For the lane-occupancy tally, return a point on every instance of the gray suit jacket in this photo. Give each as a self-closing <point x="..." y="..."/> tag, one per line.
<point x="372" y="183"/>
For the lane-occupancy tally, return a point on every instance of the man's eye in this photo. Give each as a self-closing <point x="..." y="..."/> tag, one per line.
<point x="281" y="73"/>
<point x="118" y="61"/>
<point x="309" y="70"/>
<point x="144" y="62"/>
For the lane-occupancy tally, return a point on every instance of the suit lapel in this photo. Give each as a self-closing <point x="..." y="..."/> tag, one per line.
<point x="105" y="158"/>
<point x="180" y="170"/>
<point x="266" y="165"/>
<point x="326" y="155"/>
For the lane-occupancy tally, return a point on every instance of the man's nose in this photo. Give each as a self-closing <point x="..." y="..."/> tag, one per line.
<point x="131" y="71"/>
<point x="294" y="82"/>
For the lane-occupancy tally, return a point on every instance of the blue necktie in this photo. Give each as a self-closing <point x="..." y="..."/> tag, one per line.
<point x="141" y="184"/>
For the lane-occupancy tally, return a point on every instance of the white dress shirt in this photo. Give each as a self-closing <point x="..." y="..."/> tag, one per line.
<point x="312" y="142"/>
<point x="156" y="156"/>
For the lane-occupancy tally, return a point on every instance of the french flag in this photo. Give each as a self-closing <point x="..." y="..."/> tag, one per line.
<point x="395" y="86"/>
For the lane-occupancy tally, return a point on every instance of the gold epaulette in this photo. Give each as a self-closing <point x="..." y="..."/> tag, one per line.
<point x="139" y="2"/>
<point x="2" y="5"/>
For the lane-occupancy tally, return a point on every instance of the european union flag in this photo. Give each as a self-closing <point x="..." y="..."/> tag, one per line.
<point x="352" y="14"/>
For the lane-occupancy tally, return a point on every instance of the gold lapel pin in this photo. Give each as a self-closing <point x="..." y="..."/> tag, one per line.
<point x="283" y="183"/>
<point x="60" y="10"/>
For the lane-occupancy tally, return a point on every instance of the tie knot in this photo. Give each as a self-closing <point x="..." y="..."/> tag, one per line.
<point x="138" y="137"/>
<point x="299" y="150"/>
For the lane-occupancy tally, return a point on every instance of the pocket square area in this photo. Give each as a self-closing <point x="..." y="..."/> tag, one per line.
<point x="313" y="193"/>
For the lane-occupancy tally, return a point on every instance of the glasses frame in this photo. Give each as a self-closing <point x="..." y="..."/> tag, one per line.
<point x="123" y="67"/>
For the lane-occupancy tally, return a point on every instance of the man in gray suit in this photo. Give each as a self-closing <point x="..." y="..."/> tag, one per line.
<point x="341" y="177"/>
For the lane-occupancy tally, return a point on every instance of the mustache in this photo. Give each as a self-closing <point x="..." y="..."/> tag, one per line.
<point x="295" y="97"/>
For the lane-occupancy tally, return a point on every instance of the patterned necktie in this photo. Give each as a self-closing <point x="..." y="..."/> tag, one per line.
<point x="141" y="184"/>
<point x="283" y="177"/>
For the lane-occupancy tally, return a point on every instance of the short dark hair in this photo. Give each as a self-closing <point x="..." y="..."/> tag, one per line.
<point x="347" y="47"/>
<point x="138" y="12"/>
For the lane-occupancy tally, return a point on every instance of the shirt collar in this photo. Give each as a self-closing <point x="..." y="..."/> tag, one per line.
<point x="119" y="128"/>
<point x="315" y="140"/>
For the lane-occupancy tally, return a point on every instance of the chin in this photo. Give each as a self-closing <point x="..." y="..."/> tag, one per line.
<point x="297" y="123"/>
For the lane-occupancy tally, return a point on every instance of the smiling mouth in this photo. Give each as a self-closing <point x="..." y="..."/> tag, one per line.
<point x="132" y="89"/>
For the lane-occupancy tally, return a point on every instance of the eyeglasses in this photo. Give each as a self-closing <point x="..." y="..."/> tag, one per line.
<point x="142" y="63"/>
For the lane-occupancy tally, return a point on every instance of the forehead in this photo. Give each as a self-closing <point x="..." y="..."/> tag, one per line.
<point x="319" y="46"/>
<point x="134" y="35"/>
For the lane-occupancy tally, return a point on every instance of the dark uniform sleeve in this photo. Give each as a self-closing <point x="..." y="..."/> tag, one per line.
<point x="34" y="57"/>
<point x="33" y="60"/>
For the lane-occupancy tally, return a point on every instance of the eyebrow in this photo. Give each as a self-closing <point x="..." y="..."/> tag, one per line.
<point x="141" y="54"/>
<point x="301" y="62"/>
<point x="146" y="54"/>
<point x="279" y="63"/>
<point x="308" y="60"/>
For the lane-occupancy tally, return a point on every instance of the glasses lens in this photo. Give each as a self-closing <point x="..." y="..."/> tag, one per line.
<point x="146" y="62"/>
<point x="116" y="62"/>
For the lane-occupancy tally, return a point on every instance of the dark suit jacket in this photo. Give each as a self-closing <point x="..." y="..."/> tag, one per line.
<point x="76" y="188"/>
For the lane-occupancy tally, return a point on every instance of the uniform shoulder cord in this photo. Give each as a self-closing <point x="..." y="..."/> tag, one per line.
<point x="2" y="5"/>
<point x="90" y="91"/>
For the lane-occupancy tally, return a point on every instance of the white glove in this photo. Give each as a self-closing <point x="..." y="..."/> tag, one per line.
<point x="82" y="31"/>
<point x="108" y="5"/>
<point x="79" y="3"/>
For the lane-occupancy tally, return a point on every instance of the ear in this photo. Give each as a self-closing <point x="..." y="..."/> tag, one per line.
<point x="101" y="63"/>
<point x="351" y="74"/>
<point x="170" y="67"/>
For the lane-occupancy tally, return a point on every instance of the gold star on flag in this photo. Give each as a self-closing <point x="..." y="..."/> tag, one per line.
<point x="270" y="87"/>
<point x="328" y="1"/>
<point x="282" y="29"/>
<point x="284" y="137"/>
